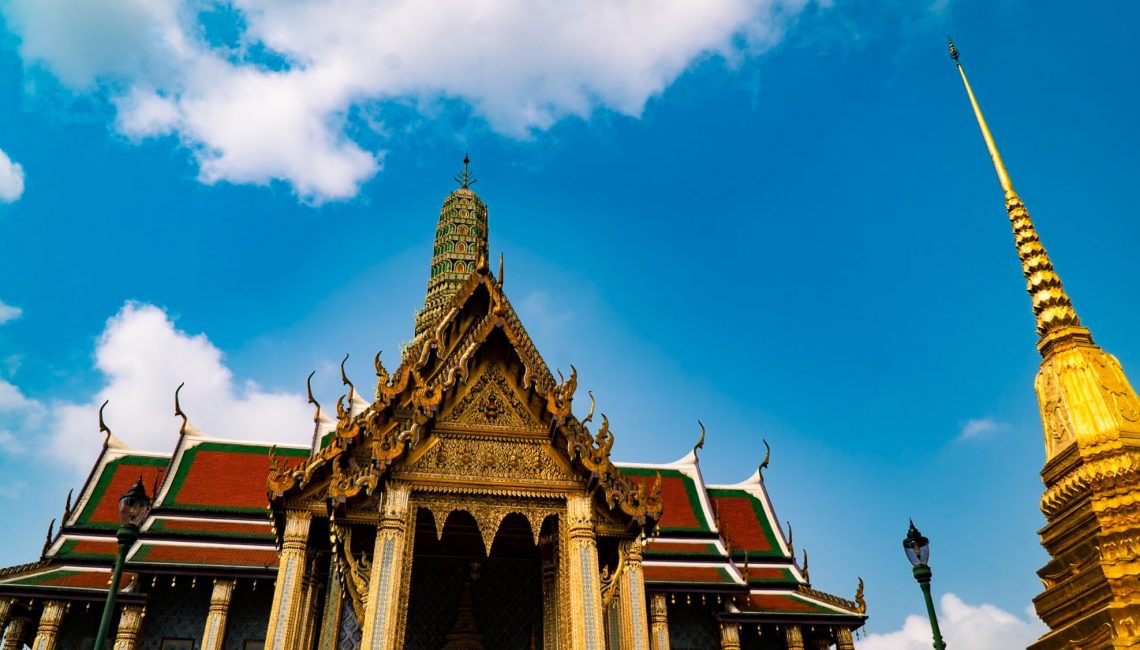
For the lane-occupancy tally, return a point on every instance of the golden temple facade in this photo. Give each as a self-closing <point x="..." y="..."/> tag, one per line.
<point x="469" y="502"/>
<point x="1091" y="419"/>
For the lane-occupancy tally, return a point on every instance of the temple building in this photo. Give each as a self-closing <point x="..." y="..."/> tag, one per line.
<point x="1091" y="419"/>
<point x="471" y="503"/>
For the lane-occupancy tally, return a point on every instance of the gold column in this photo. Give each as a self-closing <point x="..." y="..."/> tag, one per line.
<point x="659" y="618"/>
<point x="794" y="637"/>
<point x="48" y="629"/>
<point x="284" y="621"/>
<point x="549" y="596"/>
<point x="634" y="619"/>
<point x="844" y="641"/>
<point x="6" y="605"/>
<point x="14" y="637"/>
<point x="381" y="620"/>
<point x="130" y="622"/>
<point x="219" y="610"/>
<point x="730" y="636"/>
<point x="309" y="617"/>
<point x="588" y="624"/>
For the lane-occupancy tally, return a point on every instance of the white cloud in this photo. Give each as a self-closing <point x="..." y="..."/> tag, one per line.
<point x="973" y="429"/>
<point x="20" y="418"/>
<point x="263" y="90"/>
<point x="143" y="358"/>
<point x="981" y="627"/>
<point x="9" y="312"/>
<point x="11" y="183"/>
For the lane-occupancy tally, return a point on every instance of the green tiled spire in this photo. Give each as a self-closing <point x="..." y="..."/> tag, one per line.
<point x="460" y="245"/>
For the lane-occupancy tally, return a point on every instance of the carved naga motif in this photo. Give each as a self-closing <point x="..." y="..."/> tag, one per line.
<point x="561" y="395"/>
<point x="593" y="452"/>
<point x="283" y="475"/>
<point x="354" y="574"/>
<point x="344" y="485"/>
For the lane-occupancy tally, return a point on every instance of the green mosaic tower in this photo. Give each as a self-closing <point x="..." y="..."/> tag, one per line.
<point x="460" y="246"/>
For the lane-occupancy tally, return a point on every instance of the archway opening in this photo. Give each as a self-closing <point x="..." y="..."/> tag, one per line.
<point x="463" y="597"/>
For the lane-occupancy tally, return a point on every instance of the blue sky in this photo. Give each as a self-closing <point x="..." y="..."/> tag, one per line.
<point x="781" y="221"/>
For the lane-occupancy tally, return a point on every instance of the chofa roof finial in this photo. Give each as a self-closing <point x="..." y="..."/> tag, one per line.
<point x="178" y="409"/>
<point x="700" y="443"/>
<point x="103" y="428"/>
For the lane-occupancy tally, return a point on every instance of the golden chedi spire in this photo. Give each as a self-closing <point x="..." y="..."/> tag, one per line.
<point x="460" y="247"/>
<point x="1051" y="305"/>
<point x="1091" y="420"/>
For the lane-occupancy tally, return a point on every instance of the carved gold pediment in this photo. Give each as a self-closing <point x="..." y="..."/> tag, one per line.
<point x="489" y="461"/>
<point x="491" y="403"/>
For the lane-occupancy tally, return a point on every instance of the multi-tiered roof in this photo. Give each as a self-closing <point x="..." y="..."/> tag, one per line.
<point x="210" y="519"/>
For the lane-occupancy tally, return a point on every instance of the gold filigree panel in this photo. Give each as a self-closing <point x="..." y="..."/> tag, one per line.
<point x="488" y="511"/>
<point x="489" y="461"/>
<point x="491" y="403"/>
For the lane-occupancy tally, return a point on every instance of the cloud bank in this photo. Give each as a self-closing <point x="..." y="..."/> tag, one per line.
<point x="264" y="90"/>
<point x="143" y="357"/>
<point x="981" y="627"/>
<point x="11" y="188"/>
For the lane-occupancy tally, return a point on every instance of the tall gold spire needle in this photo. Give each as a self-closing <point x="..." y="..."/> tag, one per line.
<point x="999" y="166"/>
<point x="1052" y="307"/>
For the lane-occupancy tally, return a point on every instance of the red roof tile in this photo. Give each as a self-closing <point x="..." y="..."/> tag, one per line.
<point x="118" y="475"/>
<point x="662" y="547"/>
<point x="204" y="555"/>
<point x="192" y="527"/>
<point x="224" y="477"/>
<point x="782" y="603"/>
<point x="744" y="523"/>
<point x="71" y="579"/>
<point x="88" y="549"/>
<point x="679" y="492"/>
<point x="693" y="574"/>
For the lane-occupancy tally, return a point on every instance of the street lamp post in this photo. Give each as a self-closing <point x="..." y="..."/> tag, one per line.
<point x="133" y="509"/>
<point x="917" y="550"/>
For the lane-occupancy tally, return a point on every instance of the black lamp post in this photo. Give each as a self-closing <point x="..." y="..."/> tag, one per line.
<point x="917" y="550"/>
<point x="133" y="509"/>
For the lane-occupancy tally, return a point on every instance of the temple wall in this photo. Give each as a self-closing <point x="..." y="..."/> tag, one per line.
<point x="249" y="614"/>
<point x="692" y="627"/>
<point x="80" y="624"/>
<point x="177" y="612"/>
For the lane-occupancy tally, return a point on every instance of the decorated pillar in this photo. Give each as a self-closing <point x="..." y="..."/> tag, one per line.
<point x="730" y="636"/>
<point x="284" y="621"/>
<point x="130" y="622"/>
<point x="48" y="629"/>
<point x="382" y="618"/>
<point x="215" y="632"/>
<point x="844" y="641"/>
<point x="588" y="631"/>
<point x="794" y="637"/>
<point x="309" y="618"/>
<point x="821" y="643"/>
<point x="14" y="636"/>
<point x="659" y="622"/>
<point x="634" y="619"/>
<point x="549" y="595"/>
<point x="6" y="606"/>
